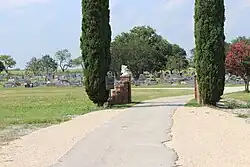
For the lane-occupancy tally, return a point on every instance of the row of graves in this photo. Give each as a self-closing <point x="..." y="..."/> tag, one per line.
<point x="177" y="79"/>
<point x="168" y="79"/>
<point x="75" y="80"/>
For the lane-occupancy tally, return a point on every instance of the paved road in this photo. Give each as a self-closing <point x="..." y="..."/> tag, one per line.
<point x="133" y="139"/>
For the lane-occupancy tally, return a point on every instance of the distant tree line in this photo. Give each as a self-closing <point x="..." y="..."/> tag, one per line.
<point x="45" y="65"/>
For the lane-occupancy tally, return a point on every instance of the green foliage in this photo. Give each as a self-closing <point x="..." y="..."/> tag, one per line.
<point x="141" y="49"/>
<point x="95" y="45"/>
<point x="239" y="96"/>
<point x="33" y="66"/>
<point x="241" y="39"/>
<point x="227" y="45"/>
<point x="63" y="58"/>
<point x="193" y="103"/>
<point x="48" y="64"/>
<point x="78" y="62"/>
<point x="209" y="49"/>
<point x="233" y="104"/>
<point x="243" y="115"/>
<point x="178" y="59"/>
<point x="8" y="61"/>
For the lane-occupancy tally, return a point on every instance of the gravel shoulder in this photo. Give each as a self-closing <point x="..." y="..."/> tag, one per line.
<point x="208" y="137"/>
<point x="43" y="147"/>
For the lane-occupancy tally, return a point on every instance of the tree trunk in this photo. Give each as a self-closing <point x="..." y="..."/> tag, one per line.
<point x="136" y="76"/>
<point x="247" y="85"/>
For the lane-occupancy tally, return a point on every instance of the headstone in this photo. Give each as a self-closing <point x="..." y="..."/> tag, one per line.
<point x="110" y="79"/>
<point x="125" y="71"/>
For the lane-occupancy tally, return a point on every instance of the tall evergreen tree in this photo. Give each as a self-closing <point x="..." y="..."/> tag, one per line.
<point x="95" y="45"/>
<point x="209" y="49"/>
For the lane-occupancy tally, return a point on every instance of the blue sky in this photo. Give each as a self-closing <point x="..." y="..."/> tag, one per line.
<point x="35" y="27"/>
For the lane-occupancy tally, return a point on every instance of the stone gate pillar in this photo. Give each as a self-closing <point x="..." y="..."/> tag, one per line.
<point x="127" y="82"/>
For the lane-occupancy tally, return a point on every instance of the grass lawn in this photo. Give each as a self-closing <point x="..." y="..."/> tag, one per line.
<point x="192" y="103"/>
<point x="42" y="105"/>
<point x="233" y="85"/>
<point x="45" y="105"/>
<point x="178" y="86"/>
<point x="242" y="96"/>
<point x="139" y="95"/>
<point x="236" y="97"/>
<point x="164" y="86"/>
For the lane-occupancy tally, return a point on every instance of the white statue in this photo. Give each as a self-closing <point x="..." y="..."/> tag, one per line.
<point x="125" y="71"/>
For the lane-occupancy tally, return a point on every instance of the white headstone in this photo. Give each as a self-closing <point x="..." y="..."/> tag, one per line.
<point x="125" y="71"/>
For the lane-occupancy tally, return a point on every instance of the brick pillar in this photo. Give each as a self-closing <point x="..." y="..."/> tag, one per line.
<point x="129" y="91"/>
<point x="128" y="80"/>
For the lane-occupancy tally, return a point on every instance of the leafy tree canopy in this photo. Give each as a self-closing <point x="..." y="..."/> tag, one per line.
<point x="141" y="49"/>
<point x="238" y="61"/>
<point x="178" y="59"/>
<point x="63" y="58"/>
<point x="8" y="61"/>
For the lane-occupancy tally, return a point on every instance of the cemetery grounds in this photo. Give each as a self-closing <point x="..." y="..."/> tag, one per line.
<point x="23" y="110"/>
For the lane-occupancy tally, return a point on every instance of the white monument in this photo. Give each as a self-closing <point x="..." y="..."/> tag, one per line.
<point x="125" y="71"/>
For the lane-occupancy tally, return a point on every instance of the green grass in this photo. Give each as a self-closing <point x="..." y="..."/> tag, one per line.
<point x="42" y="105"/>
<point x="242" y="96"/>
<point x="148" y="94"/>
<point x="234" y="104"/>
<point x="45" y="105"/>
<point x="243" y="116"/>
<point x="234" y="85"/>
<point x="177" y="86"/>
<point x="192" y="103"/>
<point x="164" y="86"/>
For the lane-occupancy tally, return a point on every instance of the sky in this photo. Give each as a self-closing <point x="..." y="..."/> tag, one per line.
<point x="31" y="28"/>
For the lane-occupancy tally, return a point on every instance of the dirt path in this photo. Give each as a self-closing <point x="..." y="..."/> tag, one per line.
<point x="205" y="137"/>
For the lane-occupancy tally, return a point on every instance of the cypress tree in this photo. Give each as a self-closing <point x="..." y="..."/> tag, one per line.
<point x="95" y="45"/>
<point x="209" y="49"/>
